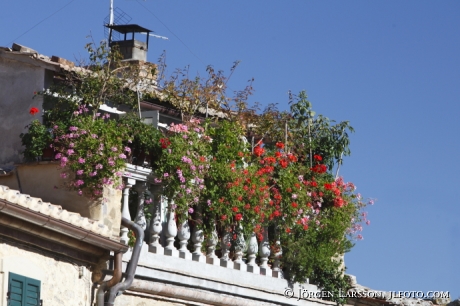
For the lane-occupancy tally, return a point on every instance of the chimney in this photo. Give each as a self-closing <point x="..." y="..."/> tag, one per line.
<point x="129" y="47"/>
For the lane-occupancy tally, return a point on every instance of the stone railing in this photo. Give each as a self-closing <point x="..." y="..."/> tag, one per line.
<point x="162" y="232"/>
<point x="173" y="266"/>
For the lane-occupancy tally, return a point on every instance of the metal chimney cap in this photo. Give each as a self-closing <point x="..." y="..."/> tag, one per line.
<point x="128" y="28"/>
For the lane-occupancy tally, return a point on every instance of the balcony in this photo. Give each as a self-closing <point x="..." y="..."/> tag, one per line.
<point x="172" y="264"/>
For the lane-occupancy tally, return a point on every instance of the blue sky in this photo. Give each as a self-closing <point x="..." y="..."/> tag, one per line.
<point x="392" y="68"/>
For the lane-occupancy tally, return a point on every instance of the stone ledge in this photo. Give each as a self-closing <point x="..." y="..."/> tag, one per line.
<point x="189" y="277"/>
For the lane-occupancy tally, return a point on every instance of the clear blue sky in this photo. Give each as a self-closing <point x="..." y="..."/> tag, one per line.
<point x="392" y="68"/>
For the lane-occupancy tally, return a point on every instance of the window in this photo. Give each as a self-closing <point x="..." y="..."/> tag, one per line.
<point x="23" y="291"/>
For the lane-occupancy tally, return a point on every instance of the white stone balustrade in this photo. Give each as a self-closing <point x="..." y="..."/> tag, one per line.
<point x="156" y="228"/>
<point x="167" y="239"/>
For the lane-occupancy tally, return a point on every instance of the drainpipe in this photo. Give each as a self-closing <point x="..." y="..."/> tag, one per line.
<point x="132" y="265"/>
<point x="110" y="283"/>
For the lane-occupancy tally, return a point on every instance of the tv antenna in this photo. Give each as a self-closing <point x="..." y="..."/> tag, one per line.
<point x="119" y="17"/>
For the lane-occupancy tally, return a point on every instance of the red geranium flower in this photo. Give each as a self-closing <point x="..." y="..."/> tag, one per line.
<point x="280" y="145"/>
<point x="33" y="111"/>
<point x="238" y="217"/>
<point x="284" y="163"/>
<point x="318" y="157"/>
<point x="258" y="151"/>
<point x="164" y="143"/>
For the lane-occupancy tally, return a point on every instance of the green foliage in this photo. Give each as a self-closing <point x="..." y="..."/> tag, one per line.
<point x="317" y="135"/>
<point x="144" y="136"/>
<point x="37" y="138"/>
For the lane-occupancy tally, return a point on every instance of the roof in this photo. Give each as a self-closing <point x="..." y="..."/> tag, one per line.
<point x="52" y="211"/>
<point x="128" y="28"/>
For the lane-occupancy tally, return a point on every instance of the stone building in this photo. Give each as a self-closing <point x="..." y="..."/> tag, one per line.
<point x="58" y="248"/>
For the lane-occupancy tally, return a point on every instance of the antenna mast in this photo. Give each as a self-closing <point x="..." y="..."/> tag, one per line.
<point x="111" y="13"/>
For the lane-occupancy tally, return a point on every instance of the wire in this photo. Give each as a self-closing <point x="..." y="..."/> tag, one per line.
<point x="41" y="22"/>
<point x="171" y="32"/>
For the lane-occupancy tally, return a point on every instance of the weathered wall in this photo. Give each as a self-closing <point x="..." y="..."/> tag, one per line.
<point x="18" y="81"/>
<point x="60" y="281"/>
<point x="42" y="180"/>
<point x="133" y="300"/>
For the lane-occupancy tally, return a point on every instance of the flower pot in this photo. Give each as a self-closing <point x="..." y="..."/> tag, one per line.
<point x="48" y="153"/>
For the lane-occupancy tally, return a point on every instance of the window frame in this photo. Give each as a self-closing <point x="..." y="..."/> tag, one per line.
<point x="29" y="286"/>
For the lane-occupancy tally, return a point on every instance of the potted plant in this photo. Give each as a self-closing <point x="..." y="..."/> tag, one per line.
<point x="37" y="140"/>
<point x="91" y="152"/>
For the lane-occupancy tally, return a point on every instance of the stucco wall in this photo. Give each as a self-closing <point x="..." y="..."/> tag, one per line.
<point x="18" y="81"/>
<point x="133" y="300"/>
<point x="60" y="281"/>
<point x="42" y="180"/>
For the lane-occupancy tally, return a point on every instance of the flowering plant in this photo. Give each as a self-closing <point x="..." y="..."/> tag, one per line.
<point x="273" y="192"/>
<point x="37" y="138"/>
<point x="183" y="164"/>
<point x="91" y="152"/>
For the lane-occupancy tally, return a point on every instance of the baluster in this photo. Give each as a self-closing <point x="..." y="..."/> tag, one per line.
<point x="276" y="254"/>
<point x="125" y="210"/>
<point x="140" y="188"/>
<point x="198" y="238"/>
<point x="171" y="233"/>
<point x="264" y="252"/>
<point x="252" y="251"/>
<point x="225" y="244"/>
<point x="155" y="224"/>
<point x="184" y="235"/>
<point x="211" y="257"/>
<point x="240" y="247"/>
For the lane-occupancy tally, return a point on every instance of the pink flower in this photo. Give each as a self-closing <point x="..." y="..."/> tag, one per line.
<point x="80" y="192"/>
<point x="79" y="172"/>
<point x="81" y="160"/>
<point x="360" y="237"/>
<point x="190" y="210"/>
<point x="58" y="156"/>
<point x="127" y="149"/>
<point x="63" y="175"/>
<point x="122" y="156"/>
<point x="93" y="173"/>
<point x="70" y="151"/>
<point x="94" y="136"/>
<point x="79" y="182"/>
<point x="73" y="128"/>
<point x="368" y="222"/>
<point x="114" y="149"/>
<point x="99" y="166"/>
<point x="166" y="174"/>
<point x="107" y="181"/>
